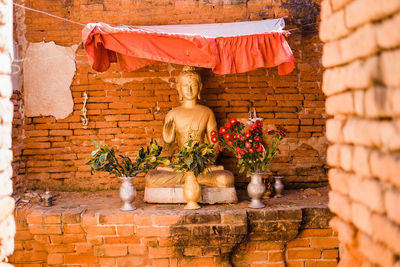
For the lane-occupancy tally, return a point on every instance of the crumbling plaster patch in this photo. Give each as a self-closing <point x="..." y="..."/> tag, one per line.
<point x="48" y="73"/>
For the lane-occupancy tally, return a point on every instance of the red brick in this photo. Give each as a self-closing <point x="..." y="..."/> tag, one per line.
<point x="122" y="240"/>
<point x="160" y="262"/>
<point x="45" y="229"/>
<point x="153" y="231"/>
<point x="83" y="248"/>
<point x="52" y="218"/>
<point x="304" y="254"/>
<point x="116" y="218"/>
<point x="73" y="238"/>
<point x="125" y="230"/>
<point x="275" y="256"/>
<point x="298" y="243"/>
<point x="100" y="230"/>
<point x="161" y="252"/>
<point x="203" y="261"/>
<point x="316" y="233"/>
<point x="107" y="261"/>
<point x="73" y="229"/>
<point x="35" y="218"/>
<point x="136" y="249"/>
<point x="321" y="263"/>
<point x="330" y="254"/>
<point x="167" y="219"/>
<point x="324" y="242"/>
<point x="115" y="250"/>
<point x="80" y="259"/>
<point x="130" y="261"/>
<point x="55" y="259"/>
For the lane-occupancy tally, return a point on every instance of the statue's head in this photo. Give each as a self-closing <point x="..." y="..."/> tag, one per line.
<point x="189" y="84"/>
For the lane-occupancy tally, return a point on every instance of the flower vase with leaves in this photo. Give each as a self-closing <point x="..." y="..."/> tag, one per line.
<point x="192" y="160"/>
<point x="254" y="147"/>
<point x="104" y="159"/>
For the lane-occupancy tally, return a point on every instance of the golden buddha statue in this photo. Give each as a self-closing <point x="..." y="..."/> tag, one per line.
<point x="190" y="120"/>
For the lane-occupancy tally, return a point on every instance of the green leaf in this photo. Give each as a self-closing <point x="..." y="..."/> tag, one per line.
<point x="95" y="144"/>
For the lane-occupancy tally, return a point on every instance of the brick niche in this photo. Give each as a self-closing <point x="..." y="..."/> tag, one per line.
<point x="361" y="81"/>
<point x="127" y="109"/>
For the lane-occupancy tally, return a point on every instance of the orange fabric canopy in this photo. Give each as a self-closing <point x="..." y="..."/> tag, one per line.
<point x="224" y="47"/>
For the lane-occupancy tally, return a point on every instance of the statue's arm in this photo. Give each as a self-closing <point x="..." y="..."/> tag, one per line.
<point x="211" y="125"/>
<point x="169" y="129"/>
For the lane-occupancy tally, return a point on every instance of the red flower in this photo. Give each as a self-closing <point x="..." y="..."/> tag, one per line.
<point x="228" y="125"/>
<point x="251" y="150"/>
<point x="230" y="143"/>
<point x="259" y="123"/>
<point x="247" y="145"/>
<point x="282" y="129"/>
<point x="219" y="148"/>
<point x="227" y="136"/>
<point x="213" y="133"/>
<point x="253" y="126"/>
<point x="259" y="149"/>
<point x="257" y="139"/>
<point x="241" y="138"/>
<point x="247" y="134"/>
<point x="235" y="136"/>
<point x="237" y="149"/>
<point x="266" y="130"/>
<point x="233" y="121"/>
<point x="242" y="152"/>
<point x="239" y="156"/>
<point x="222" y="130"/>
<point x="214" y="139"/>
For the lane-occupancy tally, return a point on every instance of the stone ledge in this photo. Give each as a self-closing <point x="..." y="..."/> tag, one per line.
<point x="216" y="235"/>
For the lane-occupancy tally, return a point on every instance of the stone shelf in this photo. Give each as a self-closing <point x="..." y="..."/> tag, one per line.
<point x="88" y="229"/>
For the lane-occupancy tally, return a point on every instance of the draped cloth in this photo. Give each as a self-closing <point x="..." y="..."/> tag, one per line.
<point x="224" y="47"/>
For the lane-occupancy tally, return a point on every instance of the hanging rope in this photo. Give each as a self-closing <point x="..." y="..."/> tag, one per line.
<point x="48" y="14"/>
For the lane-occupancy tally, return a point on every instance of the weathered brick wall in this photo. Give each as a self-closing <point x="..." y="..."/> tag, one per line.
<point x="274" y="237"/>
<point x="362" y="57"/>
<point x="17" y="79"/>
<point x="127" y="109"/>
<point x="7" y="223"/>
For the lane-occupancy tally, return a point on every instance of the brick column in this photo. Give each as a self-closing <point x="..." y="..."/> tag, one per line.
<point x="7" y="224"/>
<point x="362" y="81"/>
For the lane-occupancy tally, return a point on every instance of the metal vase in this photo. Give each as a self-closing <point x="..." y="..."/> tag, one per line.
<point x="127" y="193"/>
<point x="278" y="185"/>
<point x="256" y="189"/>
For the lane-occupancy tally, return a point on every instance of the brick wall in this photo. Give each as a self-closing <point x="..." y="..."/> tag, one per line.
<point x="151" y="237"/>
<point x="7" y="223"/>
<point x="361" y="82"/>
<point x="127" y="109"/>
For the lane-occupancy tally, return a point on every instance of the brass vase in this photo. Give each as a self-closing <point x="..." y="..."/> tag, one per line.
<point x="191" y="191"/>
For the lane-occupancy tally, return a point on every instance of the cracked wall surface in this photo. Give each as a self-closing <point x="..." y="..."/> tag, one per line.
<point x="48" y="73"/>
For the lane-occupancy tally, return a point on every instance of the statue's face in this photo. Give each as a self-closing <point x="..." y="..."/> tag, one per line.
<point x="189" y="87"/>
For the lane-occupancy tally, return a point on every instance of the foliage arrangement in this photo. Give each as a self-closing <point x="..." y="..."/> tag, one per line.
<point x="194" y="157"/>
<point x="104" y="159"/>
<point x="248" y="146"/>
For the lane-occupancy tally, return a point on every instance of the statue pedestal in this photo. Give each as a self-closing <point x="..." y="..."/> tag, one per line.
<point x="174" y="195"/>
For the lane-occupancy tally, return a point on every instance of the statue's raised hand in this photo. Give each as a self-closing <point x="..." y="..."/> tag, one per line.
<point x="169" y="130"/>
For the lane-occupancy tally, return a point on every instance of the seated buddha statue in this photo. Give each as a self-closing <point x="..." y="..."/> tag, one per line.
<point x="189" y="121"/>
